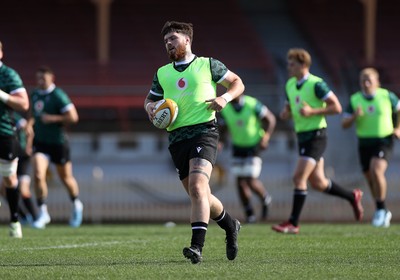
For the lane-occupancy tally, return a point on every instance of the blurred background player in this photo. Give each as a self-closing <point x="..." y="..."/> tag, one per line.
<point x="52" y="110"/>
<point x="309" y="100"/>
<point x="191" y="82"/>
<point x="13" y="96"/>
<point x="371" y="110"/>
<point x="250" y="125"/>
<point x="26" y="211"/>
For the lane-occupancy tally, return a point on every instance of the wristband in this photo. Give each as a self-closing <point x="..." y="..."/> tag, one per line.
<point x="147" y="105"/>
<point x="228" y="98"/>
<point x="4" y="96"/>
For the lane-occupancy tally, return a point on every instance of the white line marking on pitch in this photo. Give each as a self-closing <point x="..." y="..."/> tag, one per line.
<point x="70" y="246"/>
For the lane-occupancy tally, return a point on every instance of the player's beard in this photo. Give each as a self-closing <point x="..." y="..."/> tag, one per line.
<point x="178" y="53"/>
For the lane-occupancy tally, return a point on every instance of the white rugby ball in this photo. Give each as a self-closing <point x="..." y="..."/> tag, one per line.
<point x="165" y="113"/>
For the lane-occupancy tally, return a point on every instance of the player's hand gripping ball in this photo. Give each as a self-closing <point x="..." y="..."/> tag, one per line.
<point x="165" y="113"/>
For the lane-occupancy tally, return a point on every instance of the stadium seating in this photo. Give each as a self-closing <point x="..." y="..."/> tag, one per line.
<point x="62" y="34"/>
<point x="57" y="33"/>
<point x="221" y="31"/>
<point x="336" y="30"/>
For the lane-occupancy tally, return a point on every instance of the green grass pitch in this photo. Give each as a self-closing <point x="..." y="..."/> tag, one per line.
<point x="137" y="251"/>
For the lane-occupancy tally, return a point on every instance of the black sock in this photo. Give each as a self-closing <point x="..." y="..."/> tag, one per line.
<point x="225" y="221"/>
<point x="40" y="201"/>
<point x="336" y="190"/>
<point x="249" y="210"/>
<point x="29" y="206"/>
<point x="380" y="204"/>
<point x="21" y="213"/>
<point x="199" y="230"/>
<point x="299" y="197"/>
<point x="13" y="198"/>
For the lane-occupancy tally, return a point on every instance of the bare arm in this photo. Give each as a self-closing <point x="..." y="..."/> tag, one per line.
<point x="333" y="107"/>
<point x="348" y="121"/>
<point x="18" y="101"/>
<point x="28" y="129"/>
<point x="235" y="87"/>
<point x="149" y="107"/>
<point x="68" y="117"/>
<point x="286" y="112"/>
<point x="269" y="123"/>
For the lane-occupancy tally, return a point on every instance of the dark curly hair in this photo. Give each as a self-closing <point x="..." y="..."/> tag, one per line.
<point x="179" y="27"/>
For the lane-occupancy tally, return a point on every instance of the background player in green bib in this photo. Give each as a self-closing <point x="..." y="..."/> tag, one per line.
<point x="51" y="111"/>
<point x="250" y="125"/>
<point x="13" y="96"/>
<point x="191" y="82"/>
<point x="371" y="110"/>
<point x="309" y="100"/>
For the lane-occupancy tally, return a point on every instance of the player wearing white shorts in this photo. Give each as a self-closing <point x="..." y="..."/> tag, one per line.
<point x="250" y="125"/>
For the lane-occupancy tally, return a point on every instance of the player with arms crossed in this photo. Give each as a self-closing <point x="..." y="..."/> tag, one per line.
<point x="191" y="82"/>
<point x="309" y="100"/>
<point x="13" y="96"/>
